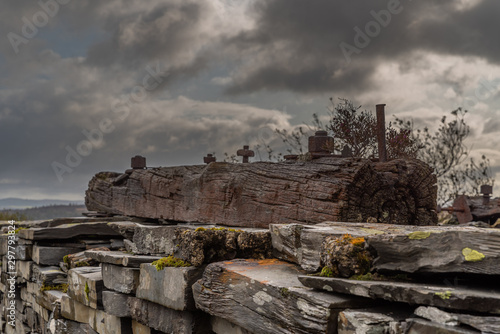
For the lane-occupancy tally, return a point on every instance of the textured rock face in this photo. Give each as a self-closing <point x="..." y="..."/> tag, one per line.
<point x="403" y="249"/>
<point x="170" y="287"/>
<point x="167" y="320"/>
<point x="257" y="194"/>
<point x="439" y="250"/>
<point x="479" y="300"/>
<point x="266" y="297"/>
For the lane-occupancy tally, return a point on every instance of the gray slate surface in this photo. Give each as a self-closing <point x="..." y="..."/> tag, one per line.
<point x="487" y="301"/>
<point x="67" y="231"/>
<point x="121" y="258"/>
<point x="265" y="296"/>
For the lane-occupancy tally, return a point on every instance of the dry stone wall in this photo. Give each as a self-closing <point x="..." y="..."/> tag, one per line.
<point x="103" y="276"/>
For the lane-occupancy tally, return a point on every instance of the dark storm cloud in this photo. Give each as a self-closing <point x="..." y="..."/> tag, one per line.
<point x="298" y="43"/>
<point x="169" y="31"/>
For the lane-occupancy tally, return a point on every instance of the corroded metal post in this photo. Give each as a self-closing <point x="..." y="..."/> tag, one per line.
<point x="382" y="153"/>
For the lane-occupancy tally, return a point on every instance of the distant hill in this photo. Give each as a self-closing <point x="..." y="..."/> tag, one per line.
<point x="43" y="212"/>
<point x="19" y="203"/>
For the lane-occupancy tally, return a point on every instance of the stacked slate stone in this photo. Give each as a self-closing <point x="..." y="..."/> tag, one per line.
<point x="42" y="272"/>
<point x="207" y="279"/>
<point x="422" y="279"/>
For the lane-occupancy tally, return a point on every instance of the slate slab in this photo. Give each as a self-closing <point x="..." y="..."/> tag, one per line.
<point x="170" y="287"/>
<point x="167" y="320"/>
<point x="452" y="249"/>
<point x="49" y="276"/>
<point x="65" y="326"/>
<point x="85" y="286"/>
<point x="301" y="244"/>
<point x="23" y="252"/>
<point x="484" y="324"/>
<point x="115" y="303"/>
<point x="265" y="296"/>
<point x="420" y="326"/>
<point x="222" y="326"/>
<point x="50" y="299"/>
<point x="456" y="298"/>
<point x="399" y="248"/>
<point x="24" y="269"/>
<point x="121" y="258"/>
<point x="120" y="279"/>
<point x="98" y="320"/>
<point x="376" y="320"/>
<point x="68" y="231"/>
<point x="51" y="256"/>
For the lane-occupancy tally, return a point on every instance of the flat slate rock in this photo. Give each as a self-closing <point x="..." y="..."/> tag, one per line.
<point x="484" y="324"/>
<point x="302" y="244"/>
<point x="170" y="287"/>
<point x="167" y="320"/>
<point x="487" y="301"/>
<point x="48" y="276"/>
<point x="265" y="296"/>
<point x="68" y="231"/>
<point x="121" y="258"/>
<point x="451" y="249"/>
<point x="399" y="248"/>
<point x="420" y="326"/>
<point x="119" y="278"/>
<point x="85" y="286"/>
<point x="376" y="320"/>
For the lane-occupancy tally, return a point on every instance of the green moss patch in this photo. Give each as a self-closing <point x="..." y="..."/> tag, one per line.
<point x="327" y="272"/>
<point x="170" y="262"/>
<point x="60" y="287"/>
<point x="87" y="290"/>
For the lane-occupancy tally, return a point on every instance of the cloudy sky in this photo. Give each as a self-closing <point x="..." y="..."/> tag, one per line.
<point x="87" y="84"/>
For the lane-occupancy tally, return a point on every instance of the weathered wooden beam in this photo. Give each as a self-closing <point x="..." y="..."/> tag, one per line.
<point x="258" y="194"/>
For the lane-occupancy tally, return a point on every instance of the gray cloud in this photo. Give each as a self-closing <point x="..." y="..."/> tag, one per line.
<point x="47" y="97"/>
<point x="297" y="43"/>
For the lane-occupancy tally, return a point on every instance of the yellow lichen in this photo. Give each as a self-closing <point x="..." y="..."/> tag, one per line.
<point x="170" y="262"/>
<point x="200" y="229"/>
<point x="419" y="235"/>
<point x="472" y="255"/>
<point x="444" y="295"/>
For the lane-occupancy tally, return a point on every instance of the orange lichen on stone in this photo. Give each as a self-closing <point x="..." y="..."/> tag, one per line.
<point x="355" y="241"/>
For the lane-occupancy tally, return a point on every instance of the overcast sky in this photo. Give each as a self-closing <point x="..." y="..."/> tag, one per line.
<point x="175" y="79"/>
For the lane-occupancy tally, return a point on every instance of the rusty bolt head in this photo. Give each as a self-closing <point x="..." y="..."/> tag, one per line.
<point x="320" y="142"/>
<point x="138" y="162"/>
<point x="209" y="158"/>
